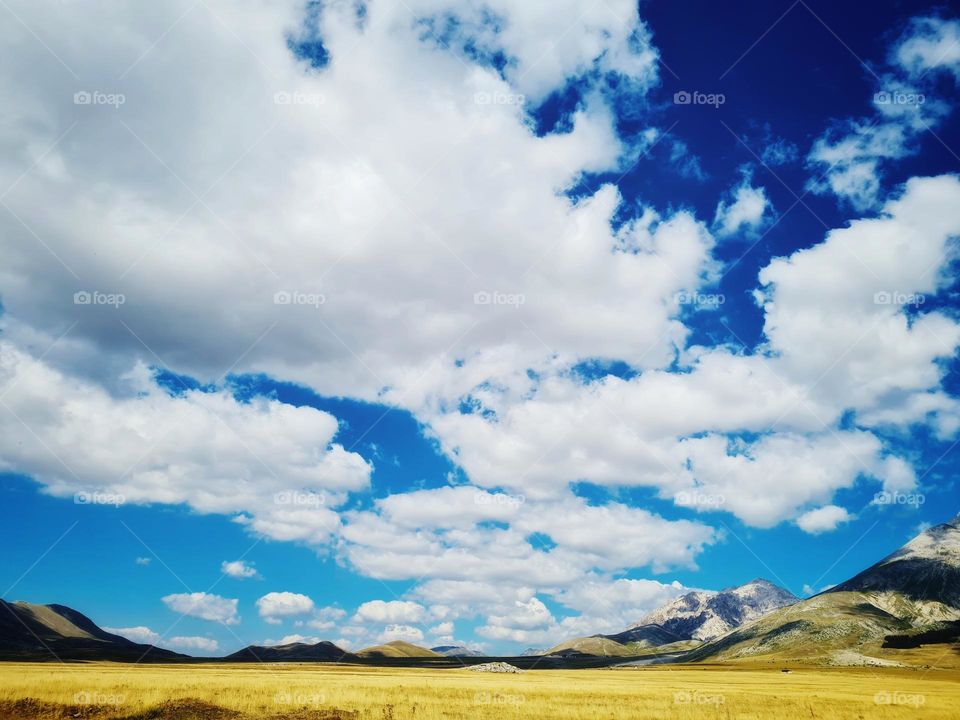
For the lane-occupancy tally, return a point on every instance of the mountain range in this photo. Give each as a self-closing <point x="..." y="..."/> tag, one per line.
<point x="907" y="600"/>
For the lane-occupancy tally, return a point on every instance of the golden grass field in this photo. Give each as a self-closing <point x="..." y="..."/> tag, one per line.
<point x="313" y="692"/>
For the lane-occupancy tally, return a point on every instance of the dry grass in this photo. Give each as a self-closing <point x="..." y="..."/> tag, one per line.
<point x="106" y="691"/>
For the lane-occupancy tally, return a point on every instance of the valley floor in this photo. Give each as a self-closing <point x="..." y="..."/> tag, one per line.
<point x="105" y="691"/>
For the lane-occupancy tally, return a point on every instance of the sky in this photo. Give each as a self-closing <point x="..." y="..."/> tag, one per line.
<point x="483" y="323"/>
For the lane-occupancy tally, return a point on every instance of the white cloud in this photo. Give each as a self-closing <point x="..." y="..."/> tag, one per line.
<point x="526" y="622"/>
<point x="325" y="618"/>
<point x="204" y="449"/>
<point x="823" y="519"/>
<point x="930" y="43"/>
<point x="443" y="630"/>
<point x="204" y="606"/>
<point x="139" y="634"/>
<point x="399" y="219"/>
<point x="848" y="159"/>
<point x="145" y="635"/>
<point x="393" y="611"/>
<point x="142" y="561"/>
<point x="293" y="638"/>
<point x="745" y="210"/>
<point x="407" y="633"/>
<point x="275" y="606"/>
<point x="202" y="644"/>
<point x="238" y="569"/>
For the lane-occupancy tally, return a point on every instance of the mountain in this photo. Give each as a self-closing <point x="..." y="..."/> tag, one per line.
<point x="456" y="651"/>
<point x="683" y="623"/>
<point x="292" y="652"/>
<point x="704" y="615"/>
<point x="925" y="570"/>
<point x="397" y="649"/>
<point x="52" y="632"/>
<point x="907" y="599"/>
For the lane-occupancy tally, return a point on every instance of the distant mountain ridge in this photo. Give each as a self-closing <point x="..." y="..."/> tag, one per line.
<point x="322" y="651"/>
<point x="456" y="651"/>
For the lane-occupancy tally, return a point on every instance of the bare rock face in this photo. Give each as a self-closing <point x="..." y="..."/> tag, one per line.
<point x="704" y="615"/>
<point x="496" y="667"/>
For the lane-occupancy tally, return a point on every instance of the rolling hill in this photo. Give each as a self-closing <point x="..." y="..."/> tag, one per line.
<point x="397" y="649"/>
<point x="56" y="632"/>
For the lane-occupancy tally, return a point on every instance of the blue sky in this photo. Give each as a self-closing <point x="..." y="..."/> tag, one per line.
<point x="461" y="325"/>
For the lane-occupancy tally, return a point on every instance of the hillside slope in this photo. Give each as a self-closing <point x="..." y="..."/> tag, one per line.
<point x="56" y="632"/>
<point x="397" y="649"/>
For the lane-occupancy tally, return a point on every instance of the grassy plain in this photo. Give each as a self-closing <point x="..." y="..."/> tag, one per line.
<point x="105" y="691"/>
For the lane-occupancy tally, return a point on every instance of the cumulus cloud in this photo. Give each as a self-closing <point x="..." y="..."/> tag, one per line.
<point x="192" y="642"/>
<point x="823" y="519"/>
<point x="744" y="211"/>
<point x="205" y="449"/>
<point x="442" y="630"/>
<point x="407" y="633"/>
<point x="204" y="606"/>
<point x="393" y="611"/>
<point x="238" y="569"/>
<point x="325" y="618"/>
<point x="275" y="606"/>
<point x="293" y="638"/>
<point x="848" y="159"/>
<point x="139" y="634"/>
<point x="271" y="219"/>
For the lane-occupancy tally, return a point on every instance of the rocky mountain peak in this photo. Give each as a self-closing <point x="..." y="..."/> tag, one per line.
<point x="704" y="614"/>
